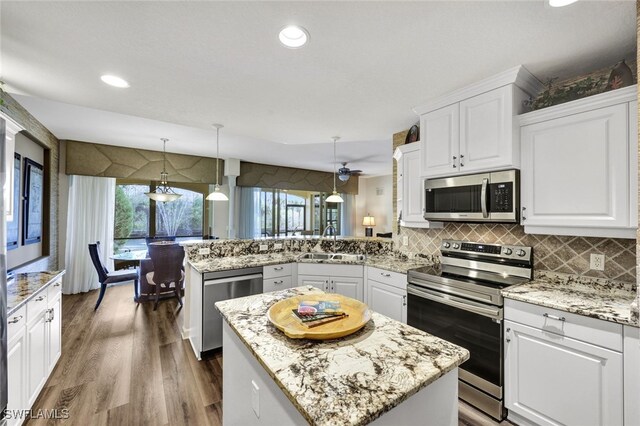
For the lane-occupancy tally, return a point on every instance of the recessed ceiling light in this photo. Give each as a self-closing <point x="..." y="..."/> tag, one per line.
<point x="561" y="3"/>
<point x="114" y="81"/>
<point x="293" y="36"/>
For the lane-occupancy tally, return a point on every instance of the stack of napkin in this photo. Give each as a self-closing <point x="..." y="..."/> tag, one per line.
<point x="315" y="313"/>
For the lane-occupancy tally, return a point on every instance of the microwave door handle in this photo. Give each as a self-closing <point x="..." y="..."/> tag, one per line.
<point x="483" y="198"/>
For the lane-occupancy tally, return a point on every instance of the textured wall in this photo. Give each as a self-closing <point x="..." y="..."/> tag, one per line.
<point x="40" y="134"/>
<point x="91" y="159"/>
<point x="267" y="176"/>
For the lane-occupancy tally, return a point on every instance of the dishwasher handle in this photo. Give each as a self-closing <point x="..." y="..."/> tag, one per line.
<point x="232" y="279"/>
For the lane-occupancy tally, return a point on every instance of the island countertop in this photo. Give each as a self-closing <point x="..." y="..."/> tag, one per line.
<point x="352" y="380"/>
<point x="602" y="299"/>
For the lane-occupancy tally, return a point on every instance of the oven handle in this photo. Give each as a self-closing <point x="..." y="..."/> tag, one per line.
<point x="483" y="198"/>
<point x="455" y="302"/>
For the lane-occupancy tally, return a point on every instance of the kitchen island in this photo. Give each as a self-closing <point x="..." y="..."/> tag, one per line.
<point x="388" y="372"/>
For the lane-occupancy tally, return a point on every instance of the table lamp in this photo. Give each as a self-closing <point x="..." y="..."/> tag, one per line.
<point x="368" y="222"/>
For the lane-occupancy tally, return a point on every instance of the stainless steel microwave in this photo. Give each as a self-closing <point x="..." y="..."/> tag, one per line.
<point x="481" y="197"/>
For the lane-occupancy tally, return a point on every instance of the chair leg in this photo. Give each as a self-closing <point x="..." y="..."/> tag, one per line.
<point x="103" y="288"/>
<point x="155" y="305"/>
<point x="178" y="294"/>
<point x="136" y="291"/>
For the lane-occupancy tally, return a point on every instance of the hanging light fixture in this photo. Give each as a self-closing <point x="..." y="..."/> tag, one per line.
<point x="163" y="192"/>
<point x="217" y="195"/>
<point x="334" y="198"/>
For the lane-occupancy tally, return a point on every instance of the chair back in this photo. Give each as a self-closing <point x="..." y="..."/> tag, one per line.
<point x="150" y="240"/>
<point x="94" y="252"/>
<point x="167" y="262"/>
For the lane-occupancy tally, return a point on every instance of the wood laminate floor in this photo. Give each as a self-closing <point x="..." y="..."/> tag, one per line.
<point x="127" y="365"/>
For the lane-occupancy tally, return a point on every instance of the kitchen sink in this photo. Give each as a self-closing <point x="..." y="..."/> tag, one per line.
<point x="344" y="257"/>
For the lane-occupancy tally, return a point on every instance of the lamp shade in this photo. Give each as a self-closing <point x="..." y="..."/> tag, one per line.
<point x="334" y="198"/>
<point x="369" y="221"/>
<point x="217" y="195"/>
<point x="163" y="196"/>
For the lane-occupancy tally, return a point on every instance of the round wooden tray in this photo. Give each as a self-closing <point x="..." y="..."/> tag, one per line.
<point x="281" y="315"/>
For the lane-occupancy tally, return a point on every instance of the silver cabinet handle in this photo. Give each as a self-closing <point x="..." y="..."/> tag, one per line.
<point x="546" y="315"/>
<point x="454" y="161"/>
<point x="508" y="339"/>
<point x="385" y="275"/>
<point x="56" y="285"/>
<point x="278" y="282"/>
<point x="461" y="163"/>
<point x="404" y="300"/>
<point x="15" y="320"/>
<point x="523" y="216"/>
<point x="51" y="314"/>
<point x="278" y="268"/>
<point x="39" y="299"/>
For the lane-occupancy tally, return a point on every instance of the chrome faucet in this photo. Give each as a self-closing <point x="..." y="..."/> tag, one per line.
<point x="334" y="232"/>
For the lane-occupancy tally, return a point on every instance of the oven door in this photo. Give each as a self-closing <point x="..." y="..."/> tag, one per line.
<point x="460" y="198"/>
<point x="472" y="325"/>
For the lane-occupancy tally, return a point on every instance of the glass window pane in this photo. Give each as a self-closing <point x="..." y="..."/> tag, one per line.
<point x="131" y="216"/>
<point x="182" y="217"/>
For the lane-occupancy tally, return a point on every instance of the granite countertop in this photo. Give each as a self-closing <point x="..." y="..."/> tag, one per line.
<point x="347" y="381"/>
<point x="602" y="299"/>
<point x="27" y="285"/>
<point x="386" y="262"/>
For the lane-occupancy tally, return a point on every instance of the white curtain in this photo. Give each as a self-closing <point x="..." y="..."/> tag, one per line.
<point x="348" y="215"/>
<point x="248" y="198"/>
<point x="90" y="218"/>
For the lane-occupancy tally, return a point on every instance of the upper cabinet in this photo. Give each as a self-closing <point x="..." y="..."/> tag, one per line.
<point x="475" y="129"/>
<point x="579" y="167"/>
<point x="11" y="128"/>
<point x="410" y="188"/>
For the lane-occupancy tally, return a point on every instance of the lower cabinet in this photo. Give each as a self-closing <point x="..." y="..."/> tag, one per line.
<point x="278" y="277"/>
<point x="386" y="293"/>
<point x="552" y="377"/>
<point x="34" y="347"/>
<point x="342" y="279"/>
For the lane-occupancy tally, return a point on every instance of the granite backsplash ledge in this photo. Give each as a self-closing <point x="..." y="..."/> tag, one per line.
<point x="562" y="254"/>
<point x="225" y="248"/>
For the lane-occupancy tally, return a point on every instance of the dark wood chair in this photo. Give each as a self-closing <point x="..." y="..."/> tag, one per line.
<point x="167" y="269"/>
<point x="105" y="277"/>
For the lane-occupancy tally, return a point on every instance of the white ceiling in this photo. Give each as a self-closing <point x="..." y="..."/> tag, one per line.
<point x="367" y="64"/>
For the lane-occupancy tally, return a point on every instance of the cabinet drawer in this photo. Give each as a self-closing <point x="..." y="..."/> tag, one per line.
<point x="36" y="305"/>
<point x="274" y="271"/>
<point x="590" y="330"/>
<point x="54" y="290"/>
<point x="275" y="284"/>
<point x="16" y="322"/>
<point x="330" y="269"/>
<point x="394" y="279"/>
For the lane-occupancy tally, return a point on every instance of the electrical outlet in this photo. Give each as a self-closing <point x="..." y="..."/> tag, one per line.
<point x="277" y="246"/>
<point x="597" y="262"/>
<point x="405" y="240"/>
<point x="264" y="247"/>
<point x="204" y="250"/>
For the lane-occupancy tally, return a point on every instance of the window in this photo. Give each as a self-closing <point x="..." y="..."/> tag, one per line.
<point x="137" y="217"/>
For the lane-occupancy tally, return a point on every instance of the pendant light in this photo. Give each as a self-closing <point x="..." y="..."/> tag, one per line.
<point x="334" y="198"/>
<point x="217" y="195"/>
<point x="163" y="192"/>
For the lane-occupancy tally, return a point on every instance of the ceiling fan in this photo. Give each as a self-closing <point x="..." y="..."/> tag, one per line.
<point x="344" y="173"/>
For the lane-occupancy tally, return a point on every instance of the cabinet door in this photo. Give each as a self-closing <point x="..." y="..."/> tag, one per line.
<point x="317" y="281"/>
<point x="486" y="131"/>
<point x="55" y="332"/>
<point x="575" y="170"/>
<point x="412" y="188"/>
<point x="350" y="287"/>
<point x="551" y="379"/>
<point x="275" y="284"/>
<point x="387" y="300"/>
<point x="439" y="137"/>
<point x="16" y="376"/>
<point x="38" y="367"/>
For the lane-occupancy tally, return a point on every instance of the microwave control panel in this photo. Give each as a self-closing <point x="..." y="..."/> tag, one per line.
<point x="501" y="197"/>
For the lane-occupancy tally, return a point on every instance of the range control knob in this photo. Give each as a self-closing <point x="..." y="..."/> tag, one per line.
<point x="456" y="245"/>
<point x="446" y="245"/>
<point x="507" y="251"/>
<point x="521" y="252"/>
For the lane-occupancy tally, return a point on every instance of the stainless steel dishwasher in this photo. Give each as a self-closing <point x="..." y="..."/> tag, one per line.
<point x="224" y="285"/>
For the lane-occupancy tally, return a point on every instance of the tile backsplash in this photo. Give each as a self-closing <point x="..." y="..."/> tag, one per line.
<point x="569" y="255"/>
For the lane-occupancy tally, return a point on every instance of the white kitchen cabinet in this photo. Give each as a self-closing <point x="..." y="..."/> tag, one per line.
<point x="37" y="353"/>
<point x="386" y="293"/>
<point x="411" y="186"/>
<point x="561" y="368"/>
<point x="475" y="128"/>
<point x="277" y="277"/>
<point x="631" y="375"/>
<point x="342" y="279"/>
<point x="16" y="365"/>
<point x="54" y="325"/>
<point x="579" y="167"/>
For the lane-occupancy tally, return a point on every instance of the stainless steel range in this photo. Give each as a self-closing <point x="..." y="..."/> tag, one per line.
<point x="460" y="301"/>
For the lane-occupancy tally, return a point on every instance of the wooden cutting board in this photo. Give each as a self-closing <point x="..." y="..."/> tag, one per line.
<point x="281" y="315"/>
